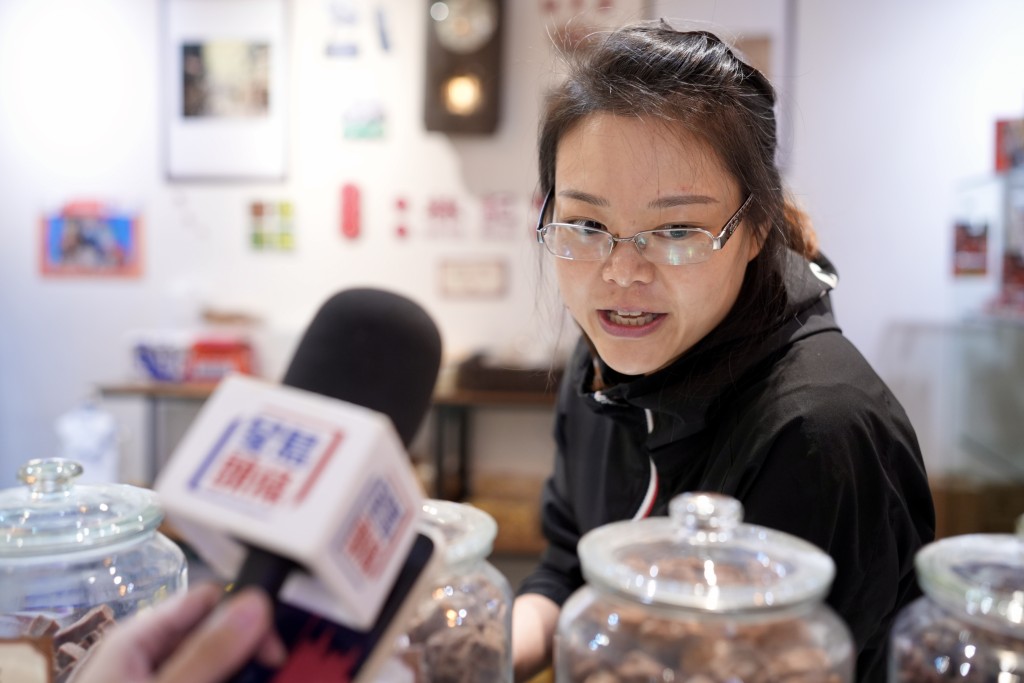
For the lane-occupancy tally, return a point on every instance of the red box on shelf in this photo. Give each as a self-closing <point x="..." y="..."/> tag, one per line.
<point x="212" y="359"/>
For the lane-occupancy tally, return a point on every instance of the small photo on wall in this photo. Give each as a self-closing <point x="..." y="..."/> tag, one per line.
<point x="272" y="226"/>
<point x="225" y="79"/>
<point x="482" y="278"/>
<point x="90" y="239"/>
<point x="1009" y="144"/>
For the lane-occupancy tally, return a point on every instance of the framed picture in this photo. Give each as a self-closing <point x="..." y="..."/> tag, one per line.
<point x="473" y="279"/>
<point x="90" y="239"/>
<point x="224" y="89"/>
<point x="1009" y="144"/>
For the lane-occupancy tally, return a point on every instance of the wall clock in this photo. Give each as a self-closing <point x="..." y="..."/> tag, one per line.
<point x="463" y="66"/>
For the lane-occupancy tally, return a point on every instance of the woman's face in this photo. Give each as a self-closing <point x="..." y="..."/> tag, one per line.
<point x="629" y="175"/>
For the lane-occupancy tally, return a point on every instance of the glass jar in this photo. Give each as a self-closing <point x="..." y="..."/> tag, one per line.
<point x="76" y="558"/>
<point x="463" y="630"/>
<point x="969" y="625"/>
<point x="699" y="596"/>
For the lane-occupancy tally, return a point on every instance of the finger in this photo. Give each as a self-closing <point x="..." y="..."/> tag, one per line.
<point x="154" y="634"/>
<point x="222" y="643"/>
<point x="134" y="648"/>
<point x="272" y="651"/>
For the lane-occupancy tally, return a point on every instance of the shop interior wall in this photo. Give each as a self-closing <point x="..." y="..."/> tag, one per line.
<point x="891" y="108"/>
<point x="81" y="119"/>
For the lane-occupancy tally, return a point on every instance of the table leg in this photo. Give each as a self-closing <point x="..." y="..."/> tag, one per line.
<point x="461" y="415"/>
<point x="440" y="444"/>
<point x="153" y="447"/>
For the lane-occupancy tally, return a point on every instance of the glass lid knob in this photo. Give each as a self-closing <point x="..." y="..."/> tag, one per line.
<point x="705" y="517"/>
<point x="49" y="476"/>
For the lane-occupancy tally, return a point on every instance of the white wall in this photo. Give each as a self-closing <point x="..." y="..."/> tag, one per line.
<point x="892" y="108"/>
<point x="80" y="93"/>
<point x="896" y="110"/>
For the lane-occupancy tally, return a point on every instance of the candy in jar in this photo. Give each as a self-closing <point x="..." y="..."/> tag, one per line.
<point x="969" y="625"/>
<point x="76" y="558"/>
<point x="699" y="596"/>
<point x="461" y="633"/>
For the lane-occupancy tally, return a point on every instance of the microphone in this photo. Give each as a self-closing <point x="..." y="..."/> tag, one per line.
<point x="314" y="473"/>
<point x="372" y="348"/>
<point x="368" y="347"/>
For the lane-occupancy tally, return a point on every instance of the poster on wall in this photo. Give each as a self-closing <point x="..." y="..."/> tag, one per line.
<point x="502" y="219"/>
<point x="401" y="217"/>
<point x="1009" y="144"/>
<point x="443" y="218"/>
<point x="356" y="28"/>
<point x="90" y="239"/>
<point x="970" y="248"/>
<point x="272" y="226"/>
<point x="484" y="278"/>
<point x="224" y="89"/>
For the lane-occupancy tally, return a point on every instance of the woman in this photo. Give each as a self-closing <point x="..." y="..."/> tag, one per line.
<point x="710" y="359"/>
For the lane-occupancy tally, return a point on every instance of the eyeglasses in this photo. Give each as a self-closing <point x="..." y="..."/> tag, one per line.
<point x="666" y="246"/>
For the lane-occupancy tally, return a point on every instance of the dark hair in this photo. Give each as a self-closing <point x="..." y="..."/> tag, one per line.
<point x="695" y="80"/>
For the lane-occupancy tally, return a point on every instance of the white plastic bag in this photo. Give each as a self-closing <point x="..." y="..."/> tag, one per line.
<point x="89" y="436"/>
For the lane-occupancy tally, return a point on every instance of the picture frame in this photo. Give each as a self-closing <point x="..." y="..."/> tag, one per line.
<point x="1009" y="144"/>
<point x="479" y="278"/>
<point x="224" y="89"/>
<point x="90" y="239"/>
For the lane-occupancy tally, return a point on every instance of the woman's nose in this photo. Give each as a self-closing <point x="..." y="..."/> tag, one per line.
<point x="625" y="265"/>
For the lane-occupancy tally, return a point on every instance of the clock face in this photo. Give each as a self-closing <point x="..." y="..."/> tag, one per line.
<point x="464" y="26"/>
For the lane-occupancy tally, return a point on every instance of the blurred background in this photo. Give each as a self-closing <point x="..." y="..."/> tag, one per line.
<point x="184" y="182"/>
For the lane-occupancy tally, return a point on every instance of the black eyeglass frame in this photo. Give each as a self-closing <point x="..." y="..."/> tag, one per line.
<point x="717" y="242"/>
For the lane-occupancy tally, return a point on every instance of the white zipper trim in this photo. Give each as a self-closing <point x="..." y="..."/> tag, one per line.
<point x="652" y="493"/>
<point x="650" y="421"/>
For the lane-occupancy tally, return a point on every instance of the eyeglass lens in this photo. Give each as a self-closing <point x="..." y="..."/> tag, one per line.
<point x="670" y="247"/>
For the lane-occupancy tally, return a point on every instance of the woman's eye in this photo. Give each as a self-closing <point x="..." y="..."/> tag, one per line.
<point x="587" y="223"/>
<point x="587" y="230"/>
<point x="679" y="233"/>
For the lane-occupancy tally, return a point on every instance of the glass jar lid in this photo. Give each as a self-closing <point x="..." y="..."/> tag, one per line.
<point x="702" y="557"/>
<point x="468" y="532"/>
<point x="51" y="514"/>
<point x="980" y="574"/>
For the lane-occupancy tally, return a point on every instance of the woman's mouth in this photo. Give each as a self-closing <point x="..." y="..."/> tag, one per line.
<point x="629" y="323"/>
<point x="630" y="318"/>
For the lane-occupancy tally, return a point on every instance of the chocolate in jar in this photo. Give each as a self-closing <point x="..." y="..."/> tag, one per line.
<point x="702" y="598"/>
<point x="710" y="652"/>
<point x="969" y="625"/>
<point x="461" y="632"/>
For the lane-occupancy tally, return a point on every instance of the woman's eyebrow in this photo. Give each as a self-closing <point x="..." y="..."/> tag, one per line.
<point x="660" y="203"/>
<point x="680" y="200"/>
<point x="584" y="197"/>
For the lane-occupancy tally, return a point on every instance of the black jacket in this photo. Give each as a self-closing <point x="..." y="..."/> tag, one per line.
<point x="791" y="421"/>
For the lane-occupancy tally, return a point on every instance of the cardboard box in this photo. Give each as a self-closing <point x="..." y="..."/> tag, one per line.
<point x="968" y="505"/>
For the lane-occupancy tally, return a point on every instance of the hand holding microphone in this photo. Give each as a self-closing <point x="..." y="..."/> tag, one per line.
<point x="188" y="638"/>
<point x="314" y="474"/>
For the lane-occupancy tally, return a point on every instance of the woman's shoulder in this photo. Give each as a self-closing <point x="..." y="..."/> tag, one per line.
<point x="823" y="385"/>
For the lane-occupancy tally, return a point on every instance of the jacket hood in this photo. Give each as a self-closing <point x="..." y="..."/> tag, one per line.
<point x="708" y="370"/>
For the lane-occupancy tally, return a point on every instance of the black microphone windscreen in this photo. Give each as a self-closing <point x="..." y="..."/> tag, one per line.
<point x="372" y="348"/>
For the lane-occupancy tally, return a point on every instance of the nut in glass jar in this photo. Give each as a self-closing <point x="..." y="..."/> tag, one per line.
<point x="461" y="633"/>
<point x="75" y="558"/>
<point x="969" y="625"/>
<point x="702" y="598"/>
